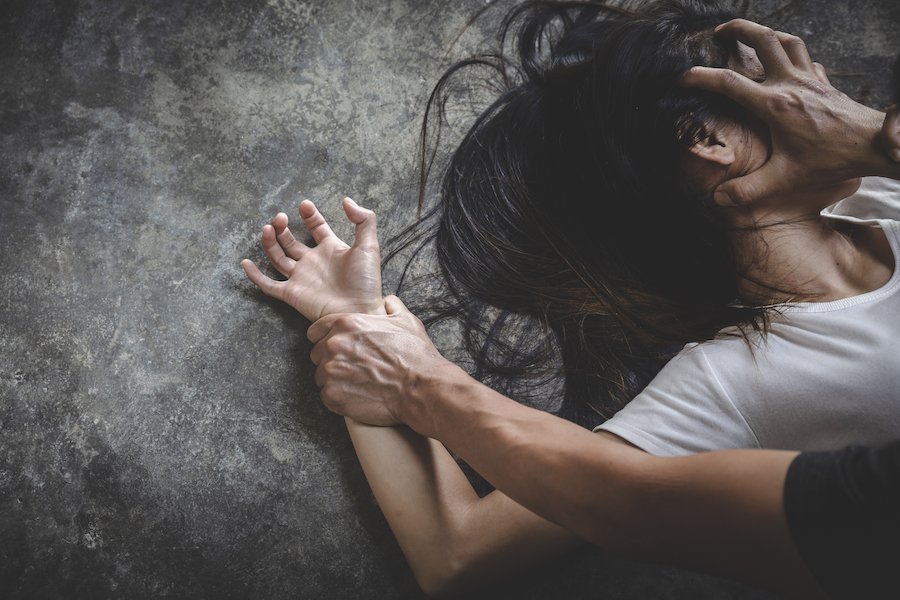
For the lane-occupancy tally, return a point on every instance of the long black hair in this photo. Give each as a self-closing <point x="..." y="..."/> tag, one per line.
<point x="570" y="245"/>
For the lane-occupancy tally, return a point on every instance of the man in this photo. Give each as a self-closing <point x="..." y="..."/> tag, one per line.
<point x="803" y="523"/>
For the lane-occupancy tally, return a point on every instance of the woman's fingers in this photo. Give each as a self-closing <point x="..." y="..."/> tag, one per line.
<point x="274" y="251"/>
<point x="293" y="248"/>
<point x="764" y="40"/>
<point x="366" y="229"/>
<point x="315" y="222"/>
<point x="269" y="286"/>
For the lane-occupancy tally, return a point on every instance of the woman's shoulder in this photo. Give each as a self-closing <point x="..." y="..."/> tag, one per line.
<point x="730" y="342"/>
<point x="686" y="408"/>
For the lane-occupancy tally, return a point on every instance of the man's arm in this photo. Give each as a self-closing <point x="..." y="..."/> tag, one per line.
<point x="718" y="512"/>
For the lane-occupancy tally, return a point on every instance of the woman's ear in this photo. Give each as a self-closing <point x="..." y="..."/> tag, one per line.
<point x="715" y="150"/>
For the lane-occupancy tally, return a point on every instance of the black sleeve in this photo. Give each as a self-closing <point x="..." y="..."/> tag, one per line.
<point x="843" y="510"/>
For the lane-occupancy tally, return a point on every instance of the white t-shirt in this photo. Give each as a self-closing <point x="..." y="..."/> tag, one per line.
<point x="826" y="375"/>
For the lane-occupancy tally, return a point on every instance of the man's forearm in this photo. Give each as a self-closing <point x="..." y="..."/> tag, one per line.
<point x="874" y="158"/>
<point x="717" y="511"/>
<point x="720" y="511"/>
<point x="553" y="467"/>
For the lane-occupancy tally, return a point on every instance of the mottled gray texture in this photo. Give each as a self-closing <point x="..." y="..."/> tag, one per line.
<point x="160" y="433"/>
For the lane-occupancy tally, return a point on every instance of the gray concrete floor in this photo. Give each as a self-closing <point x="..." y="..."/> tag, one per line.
<point x="160" y="433"/>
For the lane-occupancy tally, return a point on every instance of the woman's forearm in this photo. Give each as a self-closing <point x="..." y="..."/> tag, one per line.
<point x="422" y="496"/>
<point x="452" y="539"/>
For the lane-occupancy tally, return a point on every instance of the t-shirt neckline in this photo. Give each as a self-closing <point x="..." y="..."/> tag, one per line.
<point x="891" y="230"/>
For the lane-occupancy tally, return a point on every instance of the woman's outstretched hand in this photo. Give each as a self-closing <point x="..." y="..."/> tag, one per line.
<point x="819" y="135"/>
<point x="330" y="278"/>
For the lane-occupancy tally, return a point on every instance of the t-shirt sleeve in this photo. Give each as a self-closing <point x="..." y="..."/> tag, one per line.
<point x="877" y="198"/>
<point x="683" y="410"/>
<point x="843" y="510"/>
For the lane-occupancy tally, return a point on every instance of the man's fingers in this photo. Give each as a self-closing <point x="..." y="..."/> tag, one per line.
<point x="393" y="305"/>
<point x="318" y="330"/>
<point x="315" y="222"/>
<point x="269" y="286"/>
<point x="821" y="73"/>
<point x="291" y="246"/>
<point x="796" y="50"/>
<point x="742" y="90"/>
<point x="284" y="264"/>
<point x="742" y="191"/>
<point x="764" y="40"/>
<point x="317" y="353"/>
<point x="366" y="229"/>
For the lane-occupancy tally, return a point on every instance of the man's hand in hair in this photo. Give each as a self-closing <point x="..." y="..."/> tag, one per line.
<point x="820" y="136"/>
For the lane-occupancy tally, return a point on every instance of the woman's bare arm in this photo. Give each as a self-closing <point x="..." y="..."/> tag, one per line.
<point x="453" y="539"/>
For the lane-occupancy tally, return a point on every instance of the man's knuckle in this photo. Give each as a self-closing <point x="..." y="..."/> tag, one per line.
<point x="742" y="194"/>
<point x="327" y="396"/>
<point x="329" y="370"/>
<point x="332" y="399"/>
<point x="783" y="101"/>
<point x="355" y="320"/>
<point x="729" y="77"/>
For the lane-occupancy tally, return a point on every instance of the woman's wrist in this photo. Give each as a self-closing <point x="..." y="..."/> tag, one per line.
<point x="373" y="307"/>
<point x="377" y="308"/>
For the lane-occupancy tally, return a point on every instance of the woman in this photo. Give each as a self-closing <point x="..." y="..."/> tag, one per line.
<point x="661" y="262"/>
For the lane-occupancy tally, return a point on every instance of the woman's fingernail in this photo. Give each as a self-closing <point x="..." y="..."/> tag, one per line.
<point x="895" y="154"/>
